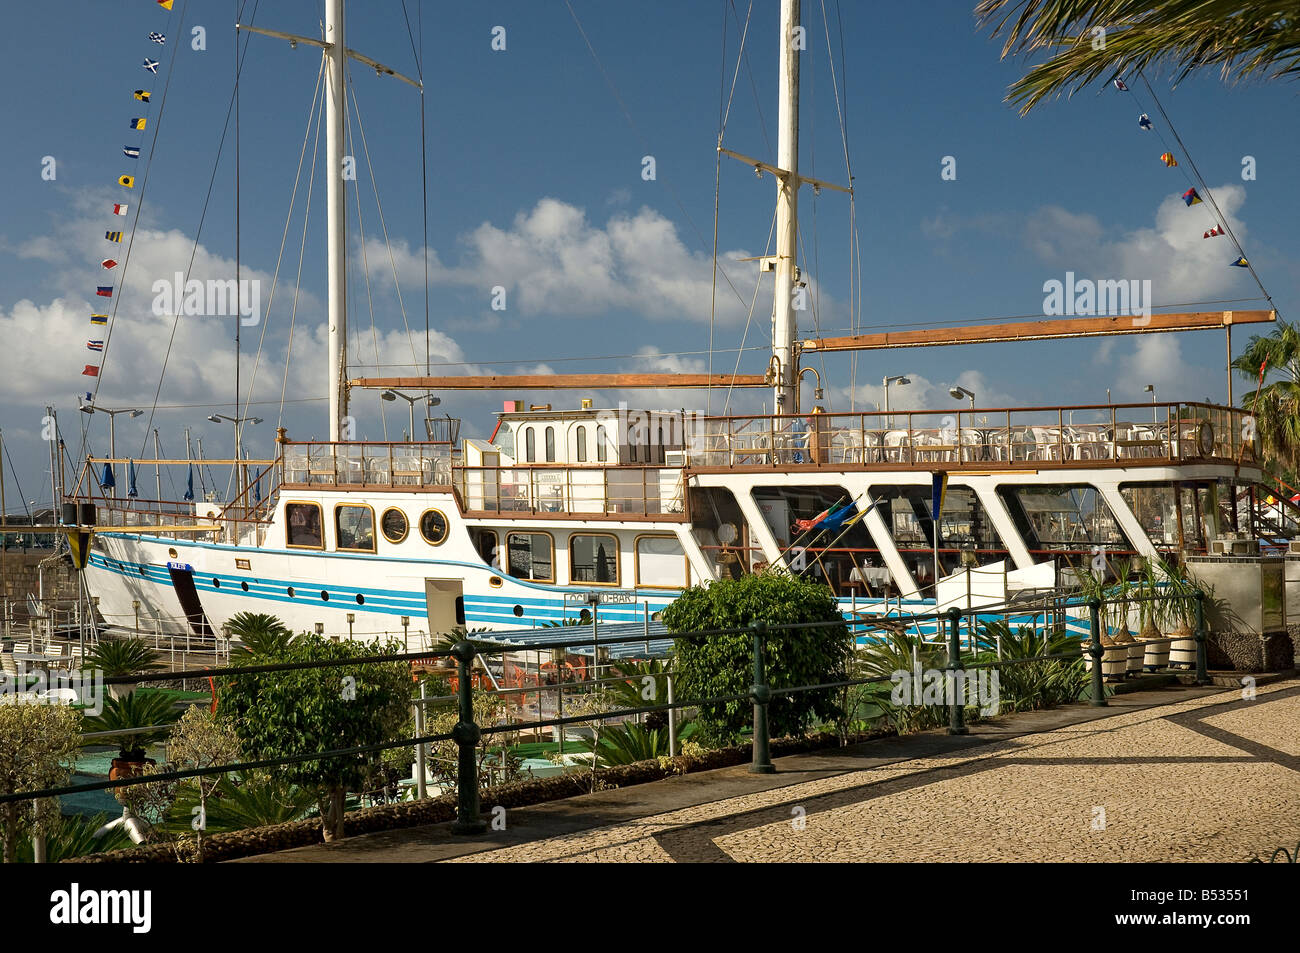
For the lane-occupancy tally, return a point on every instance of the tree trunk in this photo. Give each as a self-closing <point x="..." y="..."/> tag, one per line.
<point x="11" y="832"/>
<point x="332" y="816"/>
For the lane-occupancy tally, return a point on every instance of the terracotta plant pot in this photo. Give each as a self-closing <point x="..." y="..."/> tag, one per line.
<point x="128" y="768"/>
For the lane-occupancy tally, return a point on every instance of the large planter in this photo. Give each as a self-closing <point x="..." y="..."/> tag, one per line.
<point x="1182" y="650"/>
<point x="1132" y="650"/>
<point x="128" y="768"/>
<point x="1114" y="658"/>
<point x="1155" y="650"/>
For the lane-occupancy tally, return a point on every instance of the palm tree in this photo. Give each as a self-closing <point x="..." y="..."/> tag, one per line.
<point x="259" y="633"/>
<point x="1275" y="406"/>
<point x="1256" y="40"/>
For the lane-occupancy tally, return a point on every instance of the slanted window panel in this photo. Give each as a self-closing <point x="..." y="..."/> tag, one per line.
<point x="354" y="528"/>
<point x="594" y="559"/>
<point x="487" y="547"/>
<point x="660" y="562"/>
<point x="303" y="525"/>
<point x="824" y="537"/>
<point x="964" y="526"/>
<point x="529" y="556"/>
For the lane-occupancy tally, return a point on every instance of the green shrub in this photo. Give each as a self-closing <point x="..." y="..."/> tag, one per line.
<point x="712" y="665"/>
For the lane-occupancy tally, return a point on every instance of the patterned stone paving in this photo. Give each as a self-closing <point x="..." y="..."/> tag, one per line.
<point x="1215" y="778"/>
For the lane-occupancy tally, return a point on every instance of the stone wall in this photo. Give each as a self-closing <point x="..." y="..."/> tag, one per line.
<point x="22" y="575"/>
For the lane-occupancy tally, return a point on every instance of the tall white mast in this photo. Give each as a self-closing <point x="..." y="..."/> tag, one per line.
<point x="784" y="324"/>
<point x="335" y="98"/>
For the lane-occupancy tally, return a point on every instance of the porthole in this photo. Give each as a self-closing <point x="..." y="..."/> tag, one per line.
<point x="494" y="582"/>
<point x="324" y="596"/>
<point x="361" y="600"/>
<point x="393" y="525"/>
<point x="433" y="527"/>
<point x="289" y="591"/>
<point x="585" y="617"/>
<point x="216" y="583"/>
<point x="519" y="611"/>
<point x="171" y="553"/>
<point x="657" y="617"/>
<point x="244" y="586"/>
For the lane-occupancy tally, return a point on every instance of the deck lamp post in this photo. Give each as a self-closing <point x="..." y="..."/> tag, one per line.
<point x="352" y="617"/>
<point x="237" y="421"/>
<point x="88" y="408"/>
<point x="959" y="392"/>
<point x="391" y="395"/>
<point x="896" y="379"/>
<point x="1151" y="389"/>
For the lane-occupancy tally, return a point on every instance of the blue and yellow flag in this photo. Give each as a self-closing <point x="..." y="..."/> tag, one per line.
<point x="139" y="122"/>
<point x="1191" y="198"/>
<point x="1240" y="262"/>
<point x="126" y="181"/>
<point x="939" y="489"/>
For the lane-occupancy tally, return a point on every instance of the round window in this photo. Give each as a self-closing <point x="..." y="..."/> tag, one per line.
<point x="394" y="525"/>
<point x="433" y="527"/>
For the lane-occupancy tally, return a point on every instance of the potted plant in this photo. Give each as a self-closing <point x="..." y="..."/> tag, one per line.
<point x="1117" y="618"/>
<point x="1154" y="613"/>
<point x="153" y="711"/>
<point x="117" y="657"/>
<point x="1181" y="607"/>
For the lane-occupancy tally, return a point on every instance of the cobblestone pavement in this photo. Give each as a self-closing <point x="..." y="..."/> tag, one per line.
<point x="1216" y="778"/>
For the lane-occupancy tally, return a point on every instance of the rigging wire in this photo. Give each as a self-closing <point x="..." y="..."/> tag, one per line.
<point x="312" y="115"/>
<point x="424" y="172"/>
<point x="1209" y="195"/>
<point x="135" y="224"/>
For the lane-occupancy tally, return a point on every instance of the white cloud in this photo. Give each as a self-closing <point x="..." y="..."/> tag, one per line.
<point x="1181" y="265"/>
<point x="552" y="260"/>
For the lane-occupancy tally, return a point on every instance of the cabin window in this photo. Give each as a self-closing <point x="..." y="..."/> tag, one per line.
<point x="433" y="527"/>
<point x="660" y="562"/>
<point x="354" y="527"/>
<point x="530" y="444"/>
<point x="487" y="546"/>
<point x="303" y="525"/>
<point x="964" y="525"/>
<point x="659" y="447"/>
<point x="722" y="532"/>
<point x="550" y="444"/>
<point x="582" y="444"/>
<point x="1175" y="515"/>
<point x="602" y="443"/>
<point x="820" y="530"/>
<point x="393" y="525"/>
<point x="632" y="454"/>
<point x="593" y="559"/>
<point x="1072" y="520"/>
<point x="530" y="556"/>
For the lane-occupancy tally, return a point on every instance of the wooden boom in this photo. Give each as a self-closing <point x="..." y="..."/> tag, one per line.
<point x="1041" y="330"/>
<point x="561" y="381"/>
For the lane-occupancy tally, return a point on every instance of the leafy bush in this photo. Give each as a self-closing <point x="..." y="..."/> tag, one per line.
<point x="712" y="665"/>
<point x="38" y="750"/>
<point x="303" y="711"/>
<point x="1044" y="683"/>
<point x="74" y="836"/>
<point x="628" y="742"/>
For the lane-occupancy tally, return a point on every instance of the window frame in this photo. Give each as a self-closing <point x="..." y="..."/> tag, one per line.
<point x="405" y="519"/>
<point x="618" y="561"/>
<point x="320" y="513"/>
<point x="531" y="532"/>
<point x="636" y="562"/>
<point x="374" y="543"/>
<point x="581" y="443"/>
<point x="548" y="444"/>
<point x="446" y="522"/>
<point x="530" y="444"/>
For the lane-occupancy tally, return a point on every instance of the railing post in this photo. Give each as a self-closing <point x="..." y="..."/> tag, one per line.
<point x="420" y="790"/>
<point x="466" y="735"/>
<point x="761" y="694"/>
<point x="1202" y="676"/>
<point x="956" y="678"/>
<point x="672" y="717"/>
<point x="1096" y="651"/>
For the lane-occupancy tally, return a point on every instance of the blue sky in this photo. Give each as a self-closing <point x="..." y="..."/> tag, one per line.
<point x="535" y="184"/>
